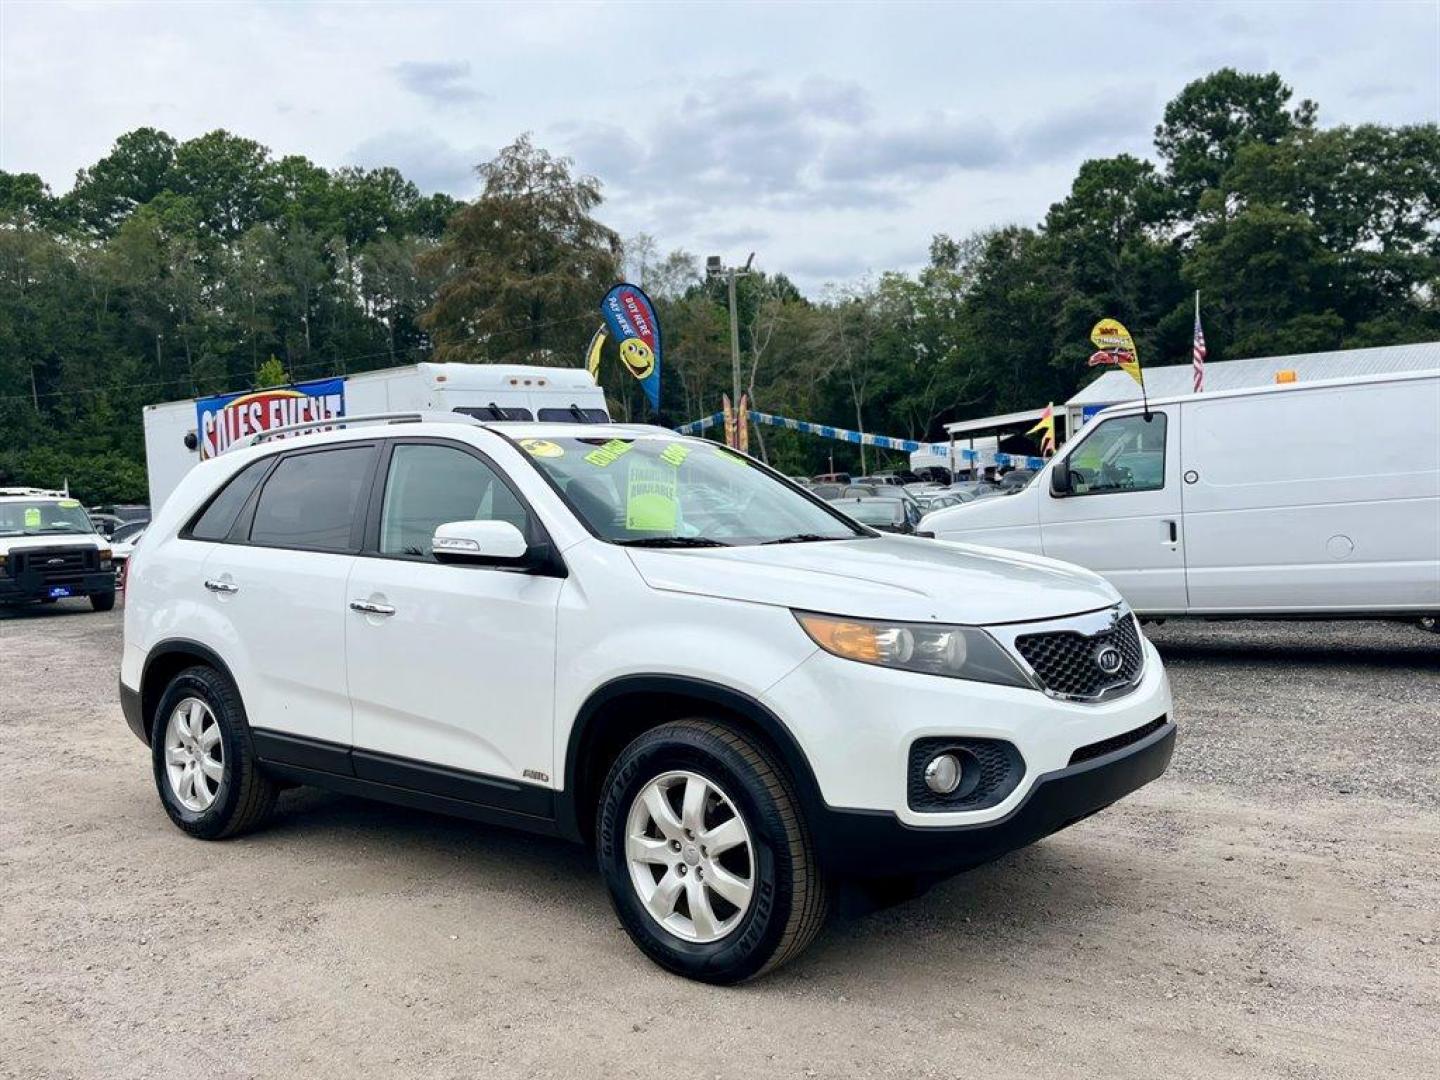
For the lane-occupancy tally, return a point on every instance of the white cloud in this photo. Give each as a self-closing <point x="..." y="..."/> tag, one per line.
<point x="831" y="138"/>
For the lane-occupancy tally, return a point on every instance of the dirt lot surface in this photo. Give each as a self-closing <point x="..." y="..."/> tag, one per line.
<point x="1271" y="907"/>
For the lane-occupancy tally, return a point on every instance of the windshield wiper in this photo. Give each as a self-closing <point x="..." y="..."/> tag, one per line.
<point x="803" y="538"/>
<point x="672" y="541"/>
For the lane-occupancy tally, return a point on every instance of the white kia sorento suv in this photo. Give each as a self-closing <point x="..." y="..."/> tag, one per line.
<point x="639" y="641"/>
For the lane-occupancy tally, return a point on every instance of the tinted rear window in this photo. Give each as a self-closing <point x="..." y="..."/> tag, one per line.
<point x="493" y="412"/>
<point x="219" y="517"/>
<point x="311" y="500"/>
<point x="575" y="415"/>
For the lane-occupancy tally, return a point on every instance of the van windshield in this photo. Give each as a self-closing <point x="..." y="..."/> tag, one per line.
<point x="43" y="517"/>
<point x="674" y="492"/>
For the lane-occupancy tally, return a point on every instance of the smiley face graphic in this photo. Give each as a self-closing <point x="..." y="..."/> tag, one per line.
<point x="636" y="356"/>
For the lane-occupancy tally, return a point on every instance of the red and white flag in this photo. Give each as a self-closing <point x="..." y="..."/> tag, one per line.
<point x="1197" y="352"/>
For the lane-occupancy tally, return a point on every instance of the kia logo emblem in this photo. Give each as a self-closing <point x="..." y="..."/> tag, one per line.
<point x="1108" y="659"/>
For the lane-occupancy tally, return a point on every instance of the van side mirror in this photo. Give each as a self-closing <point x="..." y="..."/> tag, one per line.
<point x="1060" y="485"/>
<point x="482" y="542"/>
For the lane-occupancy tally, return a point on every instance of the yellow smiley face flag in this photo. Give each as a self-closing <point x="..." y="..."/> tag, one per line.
<point x="1116" y="348"/>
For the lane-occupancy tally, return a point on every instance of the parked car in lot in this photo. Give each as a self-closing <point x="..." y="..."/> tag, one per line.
<point x="105" y="524"/>
<point x="122" y="546"/>
<point x="651" y="644"/>
<point x="1316" y="500"/>
<point x="879" y="512"/>
<point x="939" y="500"/>
<point x="879" y="491"/>
<point x="49" y="550"/>
<point x="978" y="489"/>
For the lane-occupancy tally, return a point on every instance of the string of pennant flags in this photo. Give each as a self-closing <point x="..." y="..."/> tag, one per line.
<point x="861" y="438"/>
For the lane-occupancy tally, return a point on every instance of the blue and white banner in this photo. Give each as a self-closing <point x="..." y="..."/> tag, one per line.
<point x="884" y="442"/>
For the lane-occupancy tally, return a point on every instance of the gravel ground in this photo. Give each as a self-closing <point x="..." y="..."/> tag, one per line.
<point x="1270" y="908"/>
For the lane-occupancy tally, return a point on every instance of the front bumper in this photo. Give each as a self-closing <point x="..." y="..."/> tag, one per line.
<point x="867" y="843"/>
<point x="33" y="586"/>
<point x="856" y="724"/>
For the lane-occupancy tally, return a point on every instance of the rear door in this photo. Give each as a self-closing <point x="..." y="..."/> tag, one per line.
<point x="278" y="580"/>
<point x="457" y="668"/>
<point x="1122" y="517"/>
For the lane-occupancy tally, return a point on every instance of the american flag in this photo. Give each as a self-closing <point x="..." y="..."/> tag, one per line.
<point x="1197" y="353"/>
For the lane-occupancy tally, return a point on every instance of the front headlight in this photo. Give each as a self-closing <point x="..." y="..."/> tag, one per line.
<point x="959" y="652"/>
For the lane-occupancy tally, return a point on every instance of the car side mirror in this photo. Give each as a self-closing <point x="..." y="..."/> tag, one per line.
<point x="1060" y="485"/>
<point x="485" y="542"/>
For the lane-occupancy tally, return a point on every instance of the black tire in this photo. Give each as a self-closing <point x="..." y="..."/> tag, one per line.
<point x="102" y="601"/>
<point x="245" y="795"/>
<point x="790" y="897"/>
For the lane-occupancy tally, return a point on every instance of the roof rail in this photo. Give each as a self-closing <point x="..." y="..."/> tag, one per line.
<point x="348" y="421"/>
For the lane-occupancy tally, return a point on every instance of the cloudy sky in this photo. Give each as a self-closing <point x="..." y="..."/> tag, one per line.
<point x="832" y="139"/>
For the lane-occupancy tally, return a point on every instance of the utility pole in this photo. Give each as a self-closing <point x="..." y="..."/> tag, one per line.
<point x="713" y="269"/>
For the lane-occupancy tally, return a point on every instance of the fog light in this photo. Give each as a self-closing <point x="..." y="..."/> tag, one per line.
<point x="942" y="774"/>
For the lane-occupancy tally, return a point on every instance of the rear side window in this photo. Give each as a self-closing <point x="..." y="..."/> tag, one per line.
<point x="219" y="517"/>
<point x="312" y="500"/>
<point x="429" y="486"/>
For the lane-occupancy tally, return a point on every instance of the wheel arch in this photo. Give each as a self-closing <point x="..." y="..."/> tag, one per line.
<point x="166" y="660"/>
<point x="620" y="710"/>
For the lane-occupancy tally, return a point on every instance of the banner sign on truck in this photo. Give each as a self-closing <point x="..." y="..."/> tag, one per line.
<point x="228" y="418"/>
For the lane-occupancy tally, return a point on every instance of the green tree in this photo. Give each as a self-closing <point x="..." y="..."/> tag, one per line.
<point x="523" y="267"/>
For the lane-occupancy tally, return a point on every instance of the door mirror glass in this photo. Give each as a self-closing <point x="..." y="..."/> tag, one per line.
<point x="479" y="541"/>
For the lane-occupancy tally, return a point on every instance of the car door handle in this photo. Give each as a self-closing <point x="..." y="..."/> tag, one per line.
<point x="217" y="586"/>
<point x="1172" y="531"/>
<point x="371" y="608"/>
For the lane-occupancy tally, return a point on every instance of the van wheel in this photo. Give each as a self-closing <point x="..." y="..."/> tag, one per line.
<point x="102" y="601"/>
<point x="706" y="855"/>
<point x="204" y="762"/>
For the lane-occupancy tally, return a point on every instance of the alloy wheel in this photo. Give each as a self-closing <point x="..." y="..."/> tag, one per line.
<point x="690" y="856"/>
<point x="194" y="754"/>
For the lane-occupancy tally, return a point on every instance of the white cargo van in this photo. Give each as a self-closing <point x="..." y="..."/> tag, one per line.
<point x="1310" y="499"/>
<point x="180" y="434"/>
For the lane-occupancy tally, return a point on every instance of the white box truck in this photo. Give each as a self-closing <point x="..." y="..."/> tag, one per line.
<point x="180" y="434"/>
<point x="1316" y="500"/>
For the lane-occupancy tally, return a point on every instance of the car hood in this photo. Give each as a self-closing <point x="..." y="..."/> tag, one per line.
<point x="16" y="543"/>
<point x="886" y="577"/>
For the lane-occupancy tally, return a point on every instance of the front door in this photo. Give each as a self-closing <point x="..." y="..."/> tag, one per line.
<point x="1122" y="515"/>
<point x="456" y="668"/>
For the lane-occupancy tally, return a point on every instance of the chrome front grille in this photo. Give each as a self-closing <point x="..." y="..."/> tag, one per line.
<point x="1090" y="657"/>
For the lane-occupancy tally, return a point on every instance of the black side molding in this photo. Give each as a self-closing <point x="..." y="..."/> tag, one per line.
<point x="399" y="779"/>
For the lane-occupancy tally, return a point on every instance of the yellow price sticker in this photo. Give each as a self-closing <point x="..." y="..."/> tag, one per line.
<point x="32" y="517"/>
<point x="542" y="448"/>
<point x="650" y="503"/>
<point x="69" y="504"/>
<point x="609" y="453"/>
<point x="675" y="454"/>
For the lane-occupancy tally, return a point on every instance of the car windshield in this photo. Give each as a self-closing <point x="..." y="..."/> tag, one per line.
<point x="43" y="517"/>
<point x="674" y="492"/>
